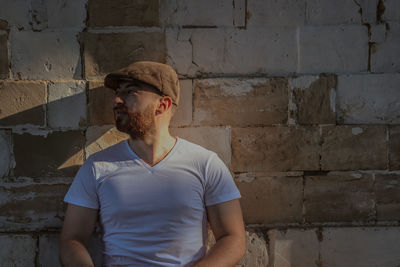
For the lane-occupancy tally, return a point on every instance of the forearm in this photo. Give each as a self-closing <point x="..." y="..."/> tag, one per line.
<point x="73" y="253"/>
<point x="227" y="251"/>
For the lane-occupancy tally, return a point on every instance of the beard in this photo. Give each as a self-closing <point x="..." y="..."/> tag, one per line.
<point x="137" y="124"/>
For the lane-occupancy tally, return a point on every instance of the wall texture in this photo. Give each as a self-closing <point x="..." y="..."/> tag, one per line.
<point x="300" y="98"/>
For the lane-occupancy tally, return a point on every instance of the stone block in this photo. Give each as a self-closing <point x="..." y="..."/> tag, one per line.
<point x="183" y="113"/>
<point x="256" y="251"/>
<point x="66" y="107"/>
<point x="7" y="162"/>
<point x="339" y="197"/>
<point x="216" y="139"/>
<point x="313" y="99"/>
<point x="354" y="147"/>
<point x="361" y="247"/>
<point x="337" y="49"/>
<point x="17" y="250"/>
<point x="179" y="50"/>
<point x="394" y="147"/>
<point x="45" y="55"/>
<point x="275" y="148"/>
<point x="368" y="99"/>
<point x="391" y="10"/>
<point x="4" y="62"/>
<point x="16" y="13"/>
<point x="378" y="33"/>
<point x="227" y="50"/>
<point x="271" y="197"/>
<point x="333" y="12"/>
<point x="66" y="14"/>
<point x="101" y="137"/>
<point x="284" y="13"/>
<point x="385" y="56"/>
<point x="240" y="102"/>
<point x="106" y="52"/>
<point x="387" y="192"/>
<point x="123" y="13"/>
<point x="293" y="248"/>
<point x="100" y="104"/>
<point x="239" y="13"/>
<point x="22" y="103"/>
<point x="57" y="154"/>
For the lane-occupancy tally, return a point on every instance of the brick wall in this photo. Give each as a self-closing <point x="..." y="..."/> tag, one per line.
<point x="300" y="98"/>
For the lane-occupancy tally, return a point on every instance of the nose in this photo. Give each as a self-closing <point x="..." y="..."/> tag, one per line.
<point x="118" y="98"/>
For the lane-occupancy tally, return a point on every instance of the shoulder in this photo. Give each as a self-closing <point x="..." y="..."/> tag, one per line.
<point x="194" y="150"/>
<point x="115" y="152"/>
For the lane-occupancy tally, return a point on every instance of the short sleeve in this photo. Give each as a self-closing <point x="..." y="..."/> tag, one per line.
<point x="82" y="191"/>
<point x="220" y="186"/>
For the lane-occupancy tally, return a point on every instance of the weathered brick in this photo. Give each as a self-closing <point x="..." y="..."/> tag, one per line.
<point x="394" y="147"/>
<point x="287" y="12"/>
<point x="275" y="148"/>
<point x="22" y="103"/>
<point x="216" y="139"/>
<point x="358" y="147"/>
<point x="57" y="154"/>
<point x="294" y="248"/>
<point x="32" y="206"/>
<point x="387" y="192"/>
<point x="333" y="49"/>
<point x="391" y="10"/>
<point x="67" y="104"/>
<point x="45" y="55"/>
<point x="240" y="102"/>
<point x="4" y="71"/>
<point x="313" y="99"/>
<point x="227" y="50"/>
<point x="333" y="12"/>
<point x="369" y="99"/>
<point x="99" y="138"/>
<point x="339" y="196"/>
<point x="271" y="197"/>
<point x="385" y="56"/>
<point x="16" y="13"/>
<point x="100" y="104"/>
<point x="66" y="14"/>
<point x="179" y="50"/>
<point x="17" y="250"/>
<point x="239" y="13"/>
<point x="106" y="52"/>
<point x="7" y="161"/>
<point x="361" y="247"/>
<point x="183" y="114"/>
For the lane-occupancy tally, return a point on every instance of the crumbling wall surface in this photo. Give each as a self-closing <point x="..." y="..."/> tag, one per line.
<point x="300" y="98"/>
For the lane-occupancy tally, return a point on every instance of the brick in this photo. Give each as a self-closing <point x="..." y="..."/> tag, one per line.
<point x="333" y="12"/>
<point x="197" y="13"/>
<point x="183" y="114"/>
<point x="67" y="104"/>
<point x="16" y="13"/>
<point x="216" y="139"/>
<point x="7" y="162"/>
<point x="100" y="104"/>
<point x="240" y="102"/>
<point x="313" y="99"/>
<point x="391" y="12"/>
<point x="378" y="33"/>
<point x="45" y="55"/>
<point x="179" y="50"/>
<point x="293" y="247"/>
<point x="357" y="147"/>
<point x="256" y="251"/>
<point x="99" y="138"/>
<point x="22" y="103"/>
<point x="106" y="52"/>
<point x="338" y="197"/>
<point x="333" y="49"/>
<point x="270" y="197"/>
<point x="66" y="14"/>
<point x="387" y="191"/>
<point x="226" y="50"/>
<point x="385" y="56"/>
<point x="17" y="250"/>
<point x="394" y="147"/>
<point x="239" y="13"/>
<point x="361" y="247"/>
<point x="275" y="149"/>
<point x="287" y="12"/>
<point x="57" y="154"/>
<point x="369" y="99"/>
<point x="4" y="62"/>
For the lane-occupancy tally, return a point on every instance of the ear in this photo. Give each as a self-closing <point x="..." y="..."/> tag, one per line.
<point x="164" y="104"/>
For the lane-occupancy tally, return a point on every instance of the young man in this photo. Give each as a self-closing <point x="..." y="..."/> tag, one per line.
<point x="154" y="193"/>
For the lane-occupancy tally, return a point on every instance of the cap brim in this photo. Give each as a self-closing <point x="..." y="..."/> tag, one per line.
<point x="113" y="80"/>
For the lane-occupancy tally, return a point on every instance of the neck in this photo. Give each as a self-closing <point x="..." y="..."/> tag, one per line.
<point x="153" y="148"/>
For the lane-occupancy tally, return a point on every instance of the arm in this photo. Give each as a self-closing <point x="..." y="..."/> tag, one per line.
<point x="226" y="222"/>
<point x="78" y="226"/>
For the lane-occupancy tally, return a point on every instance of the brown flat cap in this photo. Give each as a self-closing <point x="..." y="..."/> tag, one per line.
<point x="162" y="76"/>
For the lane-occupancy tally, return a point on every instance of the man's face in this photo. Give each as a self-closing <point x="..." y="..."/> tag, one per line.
<point x="134" y="109"/>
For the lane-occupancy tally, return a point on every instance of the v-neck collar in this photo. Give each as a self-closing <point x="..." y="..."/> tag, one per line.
<point x="160" y="163"/>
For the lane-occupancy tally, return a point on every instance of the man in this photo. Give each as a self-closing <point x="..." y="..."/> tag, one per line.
<point x="154" y="193"/>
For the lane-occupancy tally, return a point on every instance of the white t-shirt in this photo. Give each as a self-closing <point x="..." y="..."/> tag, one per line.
<point x="153" y="216"/>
